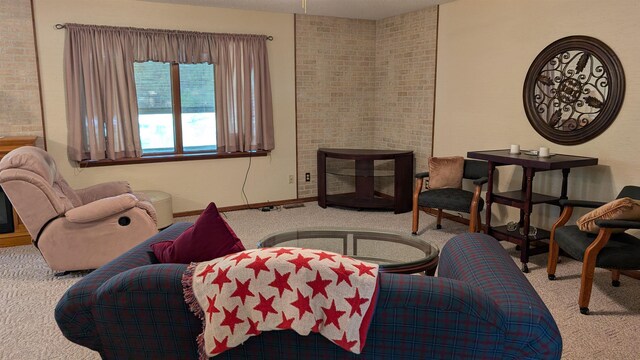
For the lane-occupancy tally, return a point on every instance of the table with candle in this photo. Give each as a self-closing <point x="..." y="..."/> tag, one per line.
<point x="524" y="199"/>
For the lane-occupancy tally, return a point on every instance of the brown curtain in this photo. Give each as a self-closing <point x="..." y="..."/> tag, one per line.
<point x="102" y="110"/>
<point x="243" y="96"/>
<point x="101" y="95"/>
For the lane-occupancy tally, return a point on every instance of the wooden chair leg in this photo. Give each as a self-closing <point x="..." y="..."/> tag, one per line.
<point x="586" y="284"/>
<point x="439" y="219"/>
<point x="552" y="260"/>
<point x="416" y="211"/>
<point x="615" y="277"/>
<point x="589" y="267"/>
<point x="416" y="220"/>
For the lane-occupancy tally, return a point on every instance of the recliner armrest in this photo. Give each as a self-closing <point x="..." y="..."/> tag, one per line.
<point x="101" y="209"/>
<point x="619" y="224"/>
<point x="581" y="203"/>
<point x="422" y="175"/>
<point x="104" y="190"/>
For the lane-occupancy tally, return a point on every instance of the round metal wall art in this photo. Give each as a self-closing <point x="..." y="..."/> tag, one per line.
<point x="574" y="90"/>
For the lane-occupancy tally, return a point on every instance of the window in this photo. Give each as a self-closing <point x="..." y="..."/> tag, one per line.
<point x="176" y="107"/>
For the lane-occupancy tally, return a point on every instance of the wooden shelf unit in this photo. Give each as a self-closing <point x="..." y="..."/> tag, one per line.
<point x="20" y="235"/>
<point x="524" y="198"/>
<point x="363" y="171"/>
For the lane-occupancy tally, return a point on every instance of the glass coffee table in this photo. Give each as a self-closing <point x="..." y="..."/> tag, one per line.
<point x="393" y="252"/>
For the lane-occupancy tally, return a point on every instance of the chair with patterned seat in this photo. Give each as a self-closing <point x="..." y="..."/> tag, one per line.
<point x="603" y="244"/>
<point x="434" y="201"/>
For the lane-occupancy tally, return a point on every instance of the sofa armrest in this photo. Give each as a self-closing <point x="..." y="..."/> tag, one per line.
<point x="73" y="311"/>
<point x="103" y="190"/>
<point x="143" y="314"/>
<point x="480" y="261"/>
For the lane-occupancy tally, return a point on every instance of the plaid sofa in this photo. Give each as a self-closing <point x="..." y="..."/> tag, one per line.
<point x="479" y="306"/>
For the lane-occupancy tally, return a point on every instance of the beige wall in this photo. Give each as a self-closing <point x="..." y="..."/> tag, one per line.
<point x="484" y="51"/>
<point x="364" y="84"/>
<point x="193" y="184"/>
<point x="19" y="94"/>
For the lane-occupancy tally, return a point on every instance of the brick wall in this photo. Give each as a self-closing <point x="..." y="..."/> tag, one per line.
<point x="335" y="59"/>
<point x="19" y="94"/>
<point x="364" y="84"/>
<point x="405" y="82"/>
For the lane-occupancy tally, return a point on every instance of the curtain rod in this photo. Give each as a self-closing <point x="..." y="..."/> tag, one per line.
<point x="64" y="26"/>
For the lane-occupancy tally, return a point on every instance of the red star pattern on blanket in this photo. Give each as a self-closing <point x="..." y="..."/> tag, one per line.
<point x="301" y="262"/>
<point x="302" y="303"/>
<point x="281" y="282"/>
<point x="333" y="315"/>
<point x="222" y="278"/>
<point x="343" y="274"/>
<point x="242" y="290"/>
<point x="265" y="306"/>
<point x="241" y="256"/>
<point x="356" y="303"/>
<point x="319" y="286"/>
<point x="208" y="270"/>
<point x="281" y="251"/>
<point x="258" y="265"/>
<point x="253" y="327"/>
<point x="231" y="319"/>
<point x="324" y="255"/>
<point x="286" y="323"/>
<point x="344" y="343"/>
<point x="212" y="309"/>
<point x="220" y="346"/>
<point x="244" y="294"/>
<point x="364" y="269"/>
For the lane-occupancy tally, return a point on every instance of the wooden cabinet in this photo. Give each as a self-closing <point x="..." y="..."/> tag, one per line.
<point x="363" y="171"/>
<point x="19" y="236"/>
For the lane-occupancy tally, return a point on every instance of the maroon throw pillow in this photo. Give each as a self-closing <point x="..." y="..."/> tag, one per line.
<point x="208" y="238"/>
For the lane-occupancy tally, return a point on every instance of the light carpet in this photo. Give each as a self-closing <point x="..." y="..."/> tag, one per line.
<point x="29" y="291"/>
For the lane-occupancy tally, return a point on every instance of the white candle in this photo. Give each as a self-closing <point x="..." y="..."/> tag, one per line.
<point x="515" y="149"/>
<point x="543" y="152"/>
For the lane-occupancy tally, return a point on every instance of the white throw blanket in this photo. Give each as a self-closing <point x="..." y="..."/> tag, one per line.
<point x="242" y="294"/>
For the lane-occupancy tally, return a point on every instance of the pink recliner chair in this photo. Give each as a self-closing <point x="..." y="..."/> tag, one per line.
<point x="74" y="230"/>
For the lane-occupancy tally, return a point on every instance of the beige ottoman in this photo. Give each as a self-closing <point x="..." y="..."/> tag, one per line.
<point x="164" y="208"/>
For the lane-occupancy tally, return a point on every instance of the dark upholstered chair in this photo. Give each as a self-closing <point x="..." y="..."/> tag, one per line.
<point x="618" y="252"/>
<point x="434" y="201"/>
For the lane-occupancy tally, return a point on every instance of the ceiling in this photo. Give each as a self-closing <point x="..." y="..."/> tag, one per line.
<point x="353" y="9"/>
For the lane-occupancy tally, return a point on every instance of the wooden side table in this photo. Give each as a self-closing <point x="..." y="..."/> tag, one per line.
<point x="19" y="235"/>
<point x="525" y="198"/>
<point x="364" y="172"/>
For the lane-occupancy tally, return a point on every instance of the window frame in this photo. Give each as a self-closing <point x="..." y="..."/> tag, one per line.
<point x="176" y="110"/>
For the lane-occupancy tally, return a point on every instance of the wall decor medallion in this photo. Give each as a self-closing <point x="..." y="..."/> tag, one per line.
<point x="574" y="90"/>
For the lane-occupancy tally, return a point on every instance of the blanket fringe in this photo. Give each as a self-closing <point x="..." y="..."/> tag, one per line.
<point x="194" y="307"/>
<point x="187" y="289"/>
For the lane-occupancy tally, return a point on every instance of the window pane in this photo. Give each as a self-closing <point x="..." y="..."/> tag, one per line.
<point x="153" y="85"/>
<point x="198" y="107"/>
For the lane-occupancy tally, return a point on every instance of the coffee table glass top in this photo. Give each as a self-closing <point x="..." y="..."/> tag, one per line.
<point x="393" y="252"/>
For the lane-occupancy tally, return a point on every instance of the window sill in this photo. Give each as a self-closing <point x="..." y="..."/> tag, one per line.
<point x="169" y="158"/>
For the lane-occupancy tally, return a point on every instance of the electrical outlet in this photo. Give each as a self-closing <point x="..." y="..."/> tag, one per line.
<point x="291" y="179"/>
<point x="307" y="177"/>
